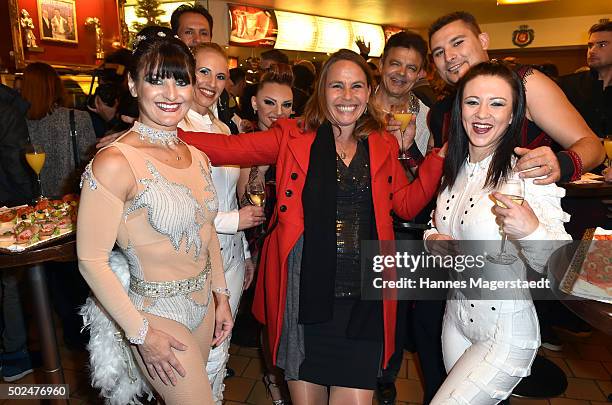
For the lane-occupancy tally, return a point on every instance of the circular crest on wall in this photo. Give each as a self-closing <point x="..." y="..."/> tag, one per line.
<point x="523" y="36"/>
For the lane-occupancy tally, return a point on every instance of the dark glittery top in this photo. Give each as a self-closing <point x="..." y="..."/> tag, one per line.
<point x="353" y="220"/>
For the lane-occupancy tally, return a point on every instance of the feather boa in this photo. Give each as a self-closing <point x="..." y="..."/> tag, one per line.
<point x="112" y="366"/>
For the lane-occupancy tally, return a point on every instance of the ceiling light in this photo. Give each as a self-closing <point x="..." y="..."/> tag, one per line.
<point x="509" y="2"/>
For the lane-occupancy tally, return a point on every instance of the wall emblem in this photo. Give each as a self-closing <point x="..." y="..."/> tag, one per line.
<point x="523" y="36"/>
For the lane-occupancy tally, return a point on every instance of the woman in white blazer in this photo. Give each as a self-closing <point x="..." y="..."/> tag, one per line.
<point x="211" y="75"/>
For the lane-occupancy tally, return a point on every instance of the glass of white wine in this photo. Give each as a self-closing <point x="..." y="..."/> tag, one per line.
<point x="514" y="189"/>
<point x="256" y="192"/>
<point x="35" y="156"/>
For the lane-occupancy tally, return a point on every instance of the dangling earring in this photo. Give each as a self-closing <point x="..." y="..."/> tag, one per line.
<point x="365" y="112"/>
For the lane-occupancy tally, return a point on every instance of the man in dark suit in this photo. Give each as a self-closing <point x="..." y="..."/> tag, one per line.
<point x="46" y="25"/>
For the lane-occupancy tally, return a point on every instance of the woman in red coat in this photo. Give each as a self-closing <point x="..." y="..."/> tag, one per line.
<point x="338" y="180"/>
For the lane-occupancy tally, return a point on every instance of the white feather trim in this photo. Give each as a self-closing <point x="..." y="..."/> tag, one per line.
<point x="112" y="366"/>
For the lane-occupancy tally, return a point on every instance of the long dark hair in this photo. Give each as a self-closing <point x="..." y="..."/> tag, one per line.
<point x="317" y="111"/>
<point x="501" y="164"/>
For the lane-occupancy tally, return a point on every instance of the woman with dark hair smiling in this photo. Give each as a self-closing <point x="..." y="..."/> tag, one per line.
<point x="273" y="101"/>
<point x="489" y="344"/>
<point x="338" y="178"/>
<point x="154" y="197"/>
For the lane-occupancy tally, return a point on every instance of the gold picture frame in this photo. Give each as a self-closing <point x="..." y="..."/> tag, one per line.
<point x="13" y="7"/>
<point x="57" y="21"/>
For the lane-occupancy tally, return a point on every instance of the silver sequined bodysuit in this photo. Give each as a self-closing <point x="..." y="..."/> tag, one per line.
<point x="165" y="236"/>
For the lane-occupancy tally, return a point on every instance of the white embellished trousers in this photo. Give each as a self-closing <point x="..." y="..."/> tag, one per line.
<point x="488" y="347"/>
<point x="218" y="357"/>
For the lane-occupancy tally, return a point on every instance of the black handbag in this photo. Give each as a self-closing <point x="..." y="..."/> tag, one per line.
<point x="73" y="137"/>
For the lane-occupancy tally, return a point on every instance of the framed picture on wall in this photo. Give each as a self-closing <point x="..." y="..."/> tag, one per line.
<point x="57" y="20"/>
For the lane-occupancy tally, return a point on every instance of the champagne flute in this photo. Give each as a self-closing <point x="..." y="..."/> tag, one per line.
<point x="514" y="189"/>
<point x="35" y="156"/>
<point x="256" y="192"/>
<point x="402" y="114"/>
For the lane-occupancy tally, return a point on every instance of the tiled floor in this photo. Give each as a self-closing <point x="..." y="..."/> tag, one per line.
<point x="587" y="363"/>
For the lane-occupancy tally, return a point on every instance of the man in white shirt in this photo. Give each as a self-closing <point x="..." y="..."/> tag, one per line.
<point x="402" y="64"/>
<point x="59" y="25"/>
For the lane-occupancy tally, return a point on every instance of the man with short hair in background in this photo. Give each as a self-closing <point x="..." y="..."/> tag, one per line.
<point x="591" y="91"/>
<point x="192" y="24"/>
<point x="457" y="43"/>
<point x="401" y="65"/>
<point x="235" y="87"/>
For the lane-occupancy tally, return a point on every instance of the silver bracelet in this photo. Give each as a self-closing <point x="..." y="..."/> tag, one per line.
<point x="223" y="291"/>
<point x="142" y="333"/>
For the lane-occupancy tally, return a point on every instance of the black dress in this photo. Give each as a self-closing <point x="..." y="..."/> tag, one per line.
<point x="331" y="357"/>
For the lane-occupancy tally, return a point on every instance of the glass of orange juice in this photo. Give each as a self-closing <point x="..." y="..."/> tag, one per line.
<point x="35" y="156"/>
<point x="402" y="114"/>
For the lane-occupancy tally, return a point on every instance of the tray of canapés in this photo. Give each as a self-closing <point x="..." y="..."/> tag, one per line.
<point x="29" y="227"/>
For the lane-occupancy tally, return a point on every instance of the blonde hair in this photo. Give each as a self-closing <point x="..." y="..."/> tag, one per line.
<point x="201" y="47"/>
<point x="205" y="46"/>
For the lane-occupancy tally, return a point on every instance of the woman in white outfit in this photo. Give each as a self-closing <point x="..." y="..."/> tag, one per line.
<point x="211" y="76"/>
<point x="489" y="345"/>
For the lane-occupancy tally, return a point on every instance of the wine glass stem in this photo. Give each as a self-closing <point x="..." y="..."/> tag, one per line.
<point x="503" y="244"/>
<point x="39" y="184"/>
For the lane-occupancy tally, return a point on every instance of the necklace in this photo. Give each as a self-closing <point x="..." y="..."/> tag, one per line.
<point x="473" y="169"/>
<point x="157" y="136"/>
<point x="342" y="153"/>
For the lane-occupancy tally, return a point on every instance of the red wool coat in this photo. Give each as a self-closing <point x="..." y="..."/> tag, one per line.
<point x="289" y="148"/>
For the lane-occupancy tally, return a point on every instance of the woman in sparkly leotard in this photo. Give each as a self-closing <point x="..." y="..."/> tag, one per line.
<point x="153" y="196"/>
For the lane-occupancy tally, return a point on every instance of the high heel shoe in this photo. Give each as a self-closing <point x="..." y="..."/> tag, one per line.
<point x="269" y="384"/>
